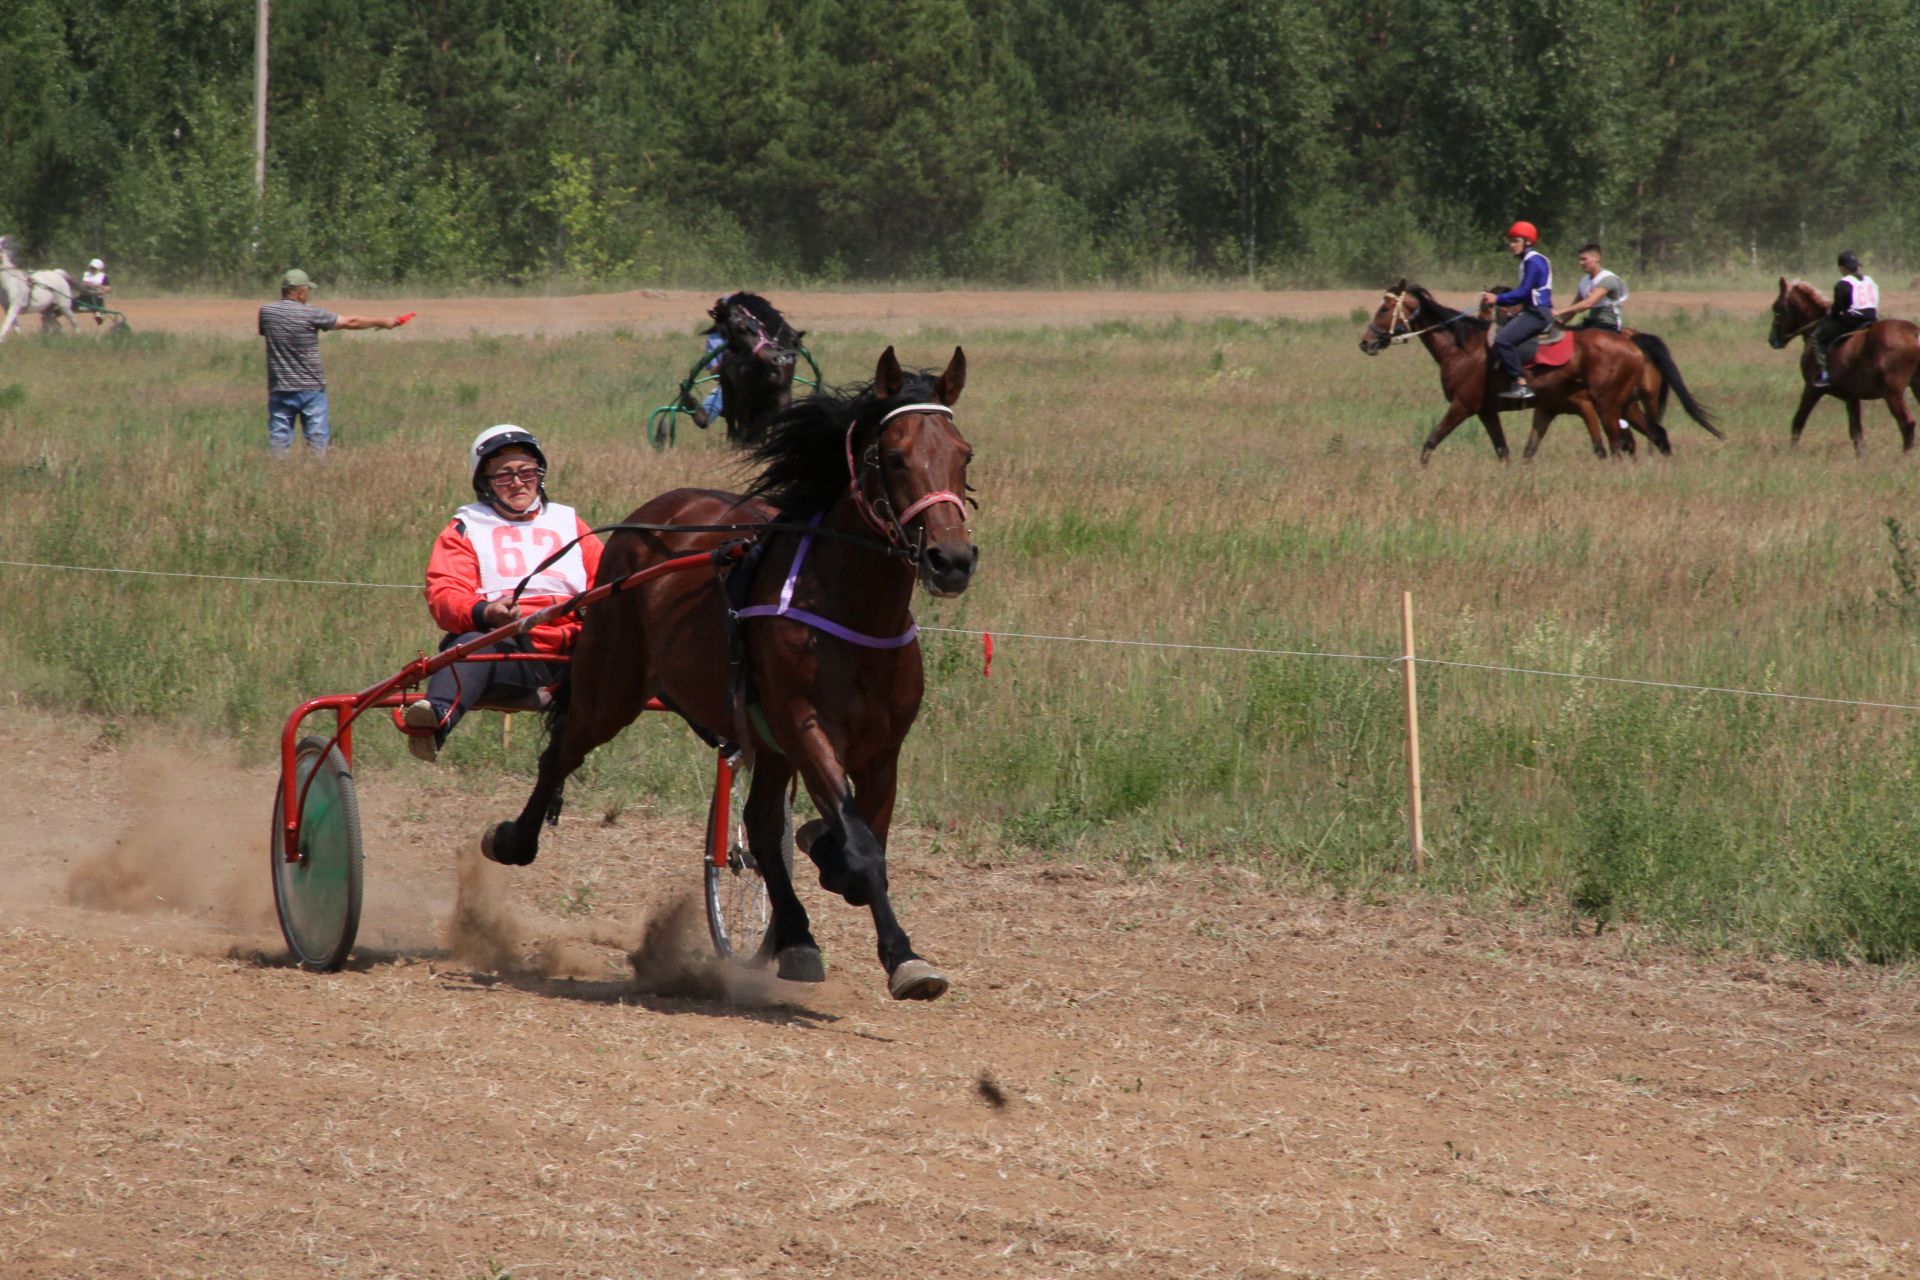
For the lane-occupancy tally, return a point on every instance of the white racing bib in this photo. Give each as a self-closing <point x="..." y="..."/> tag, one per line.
<point x="1866" y="294"/>
<point x="509" y="549"/>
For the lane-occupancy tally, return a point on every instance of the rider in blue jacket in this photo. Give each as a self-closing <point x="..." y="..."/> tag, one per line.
<point x="1533" y="295"/>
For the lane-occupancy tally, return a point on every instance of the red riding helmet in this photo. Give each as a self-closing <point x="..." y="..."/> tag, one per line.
<point x="1526" y="231"/>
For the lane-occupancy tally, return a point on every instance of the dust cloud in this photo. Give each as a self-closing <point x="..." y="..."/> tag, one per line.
<point x="189" y="843"/>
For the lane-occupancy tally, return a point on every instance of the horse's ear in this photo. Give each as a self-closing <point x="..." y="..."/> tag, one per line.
<point x="953" y="381"/>
<point x="887" y="379"/>
<point x="1401" y="287"/>
<point x="1783" y="284"/>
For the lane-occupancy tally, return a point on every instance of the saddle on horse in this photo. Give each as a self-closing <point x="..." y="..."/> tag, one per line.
<point x="1550" y="350"/>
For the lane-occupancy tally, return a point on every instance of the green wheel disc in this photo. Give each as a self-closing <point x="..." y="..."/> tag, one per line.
<point x="318" y="897"/>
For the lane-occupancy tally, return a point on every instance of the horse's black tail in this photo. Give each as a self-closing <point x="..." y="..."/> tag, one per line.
<point x="554" y="720"/>
<point x="1656" y="351"/>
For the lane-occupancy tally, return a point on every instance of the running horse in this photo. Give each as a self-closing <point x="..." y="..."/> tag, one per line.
<point x="756" y="373"/>
<point x="876" y="475"/>
<point x="1602" y="376"/>
<point x="1875" y="363"/>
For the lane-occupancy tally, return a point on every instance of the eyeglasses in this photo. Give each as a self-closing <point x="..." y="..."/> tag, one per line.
<point x="514" y="475"/>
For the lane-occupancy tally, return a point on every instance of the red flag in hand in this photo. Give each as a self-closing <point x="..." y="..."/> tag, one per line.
<point x="400" y="320"/>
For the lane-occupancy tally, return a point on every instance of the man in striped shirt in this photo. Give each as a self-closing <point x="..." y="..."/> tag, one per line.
<point x="296" y="384"/>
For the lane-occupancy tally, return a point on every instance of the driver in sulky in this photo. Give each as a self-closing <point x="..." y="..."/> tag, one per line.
<point x="477" y="561"/>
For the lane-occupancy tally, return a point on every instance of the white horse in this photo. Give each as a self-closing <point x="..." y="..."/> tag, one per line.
<point x="48" y="292"/>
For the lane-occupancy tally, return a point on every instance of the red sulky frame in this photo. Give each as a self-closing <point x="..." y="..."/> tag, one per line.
<point x="400" y="689"/>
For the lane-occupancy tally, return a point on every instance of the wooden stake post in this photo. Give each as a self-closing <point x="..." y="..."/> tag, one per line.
<point x="1416" y="840"/>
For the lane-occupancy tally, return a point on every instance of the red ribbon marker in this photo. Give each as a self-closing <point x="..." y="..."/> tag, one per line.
<point x="400" y="320"/>
<point x="986" y="643"/>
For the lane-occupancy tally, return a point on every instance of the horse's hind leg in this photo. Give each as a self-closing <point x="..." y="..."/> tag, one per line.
<point x="1855" y="431"/>
<point x="1897" y="406"/>
<point x="599" y="705"/>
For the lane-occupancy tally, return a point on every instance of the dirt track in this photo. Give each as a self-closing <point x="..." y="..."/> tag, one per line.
<point x="1194" y="1075"/>
<point x="654" y="311"/>
<point x="1177" y="1075"/>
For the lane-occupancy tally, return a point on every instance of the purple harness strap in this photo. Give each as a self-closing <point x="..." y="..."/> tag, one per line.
<point x="785" y="609"/>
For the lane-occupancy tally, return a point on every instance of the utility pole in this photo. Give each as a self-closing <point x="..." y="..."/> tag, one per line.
<point x="260" y="100"/>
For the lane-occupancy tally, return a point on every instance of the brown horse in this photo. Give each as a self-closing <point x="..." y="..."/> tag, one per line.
<point x="827" y="641"/>
<point x="1876" y="363"/>
<point x="1605" y="381"/>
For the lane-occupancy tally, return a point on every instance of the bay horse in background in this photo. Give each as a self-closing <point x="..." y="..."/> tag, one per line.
<point x="1607" y="378"/>
<point x="756" y="371"/>
<point x="1875" y="363"/>
<point x="48" y="292"/>
<point x="830" y="666"/>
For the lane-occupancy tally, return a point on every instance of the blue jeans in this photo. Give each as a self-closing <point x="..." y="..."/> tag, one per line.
<point x="283" y="407"/>
<point x="1506" y="344"/>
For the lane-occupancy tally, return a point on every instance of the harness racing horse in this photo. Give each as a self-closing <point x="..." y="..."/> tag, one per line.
<point x="828" y="642"/>
<point x="1874" y="363"/>
<point x="48" y="292"/>
<point x="1603" y="379"/>
<point x="756" y="374"/>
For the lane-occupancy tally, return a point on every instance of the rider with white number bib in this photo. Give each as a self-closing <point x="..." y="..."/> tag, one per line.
<point x="1856" y="305"/>
<point x="478" y="559"/>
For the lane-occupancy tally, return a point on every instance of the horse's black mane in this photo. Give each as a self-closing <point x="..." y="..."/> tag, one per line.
<point x="803" y="457"/>
<point x="771" y="321"/>
<point x="1459" y="321"/>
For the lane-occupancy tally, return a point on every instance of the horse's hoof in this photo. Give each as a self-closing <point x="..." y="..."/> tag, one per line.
<point x="916" y="980"/>
<point x="801" y="964"/>
<point x="808" y="833"/>
<point x="497" y="845"/>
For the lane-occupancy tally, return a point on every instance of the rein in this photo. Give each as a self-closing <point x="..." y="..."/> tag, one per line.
<point x="1393" y="333"/>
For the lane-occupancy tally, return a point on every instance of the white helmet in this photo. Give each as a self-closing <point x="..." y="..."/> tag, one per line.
<point x="97" y="265"/>
<point x="492" y="441"/>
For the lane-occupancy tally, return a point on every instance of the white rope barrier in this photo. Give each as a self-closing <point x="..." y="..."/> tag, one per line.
<point x="1247" y="650"/>
<point x="216" y="577"/>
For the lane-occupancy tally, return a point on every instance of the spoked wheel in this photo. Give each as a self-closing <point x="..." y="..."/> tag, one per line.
<point x="739" y="913"/>
<point x="318" y="897"/>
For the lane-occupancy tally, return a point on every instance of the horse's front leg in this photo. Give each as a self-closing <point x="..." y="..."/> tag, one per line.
<point x="1455" y="415"/>
<point x="848" y="844"/>
<point x="1809" y="397"/>
<point x="13" y="318"/>
<point x="789" y="943"/>
<point x="1538" y="432"/>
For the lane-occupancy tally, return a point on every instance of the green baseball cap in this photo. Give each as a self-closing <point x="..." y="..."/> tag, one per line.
<point x="296" y="279"/>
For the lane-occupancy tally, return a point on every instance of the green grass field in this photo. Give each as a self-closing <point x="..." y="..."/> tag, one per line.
<point x="1231" y="484"/>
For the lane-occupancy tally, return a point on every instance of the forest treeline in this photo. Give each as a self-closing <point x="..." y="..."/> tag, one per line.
<point x="1043" y="141"/>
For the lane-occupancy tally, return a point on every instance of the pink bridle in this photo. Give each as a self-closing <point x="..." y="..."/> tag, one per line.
<point x="894" y="528"/>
